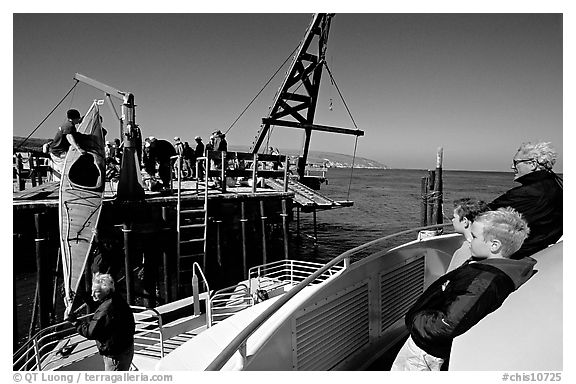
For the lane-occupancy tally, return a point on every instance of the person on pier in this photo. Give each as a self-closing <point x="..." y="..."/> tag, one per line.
<point x="538" y="198"/>
<point x="64" y="138"/>
<point x="457" y="301"/>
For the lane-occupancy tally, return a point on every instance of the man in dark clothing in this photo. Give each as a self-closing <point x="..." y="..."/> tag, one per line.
<point x="538" y="199"/>
<point x="461" y="298"/>
<point x="112" y="325"/>
<point x="160" y="152"/>
<point x="64" y="138"/>
<point x="199" y="152"/>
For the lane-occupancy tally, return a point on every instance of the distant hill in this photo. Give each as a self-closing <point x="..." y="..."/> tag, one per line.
<point x="328" y="159"/>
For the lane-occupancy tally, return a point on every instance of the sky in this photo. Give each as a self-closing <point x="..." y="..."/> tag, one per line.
<point x="477" y="85"/>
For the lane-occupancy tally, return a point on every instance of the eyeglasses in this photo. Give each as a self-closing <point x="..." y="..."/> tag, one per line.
<point x="516" y="162"/>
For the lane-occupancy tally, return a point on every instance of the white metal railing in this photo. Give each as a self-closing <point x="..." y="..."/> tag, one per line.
<point x="228" y="301"/>
<point x="149" y="333"/>
<point x="289" y="272"/>
<point x="33" y="355"/>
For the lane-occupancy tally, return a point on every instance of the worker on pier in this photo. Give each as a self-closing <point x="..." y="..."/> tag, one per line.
<point x="199" y="152"/>
<point x="64" y="138"/>
<point x="160" y="153"/>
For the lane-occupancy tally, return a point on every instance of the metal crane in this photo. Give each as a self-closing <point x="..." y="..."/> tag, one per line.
<point x="295" y="102"/>
<point x="130" y="186"/>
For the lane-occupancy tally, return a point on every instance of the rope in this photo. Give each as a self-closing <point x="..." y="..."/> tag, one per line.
<point x="262" y="89"/>
<point x="42" y="122"/>
<point x="353" y="122"/>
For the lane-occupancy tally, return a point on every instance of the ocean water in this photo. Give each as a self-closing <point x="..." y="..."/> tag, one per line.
<point x="386" y="201"/>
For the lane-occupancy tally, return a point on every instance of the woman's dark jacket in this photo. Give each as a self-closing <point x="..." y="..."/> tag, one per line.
<point x="112" y="326"/>
<point x="461" y="298"/>
<point x="539" y="200"/>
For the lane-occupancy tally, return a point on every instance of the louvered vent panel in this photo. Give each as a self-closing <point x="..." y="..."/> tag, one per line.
<point x="399" y="289"/>
<point x="327" y="332"/>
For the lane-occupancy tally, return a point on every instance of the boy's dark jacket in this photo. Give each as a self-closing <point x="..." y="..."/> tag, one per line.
<point x="461" y="298"/>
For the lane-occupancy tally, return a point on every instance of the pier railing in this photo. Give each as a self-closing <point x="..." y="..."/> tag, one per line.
<point x="251" y="166"/>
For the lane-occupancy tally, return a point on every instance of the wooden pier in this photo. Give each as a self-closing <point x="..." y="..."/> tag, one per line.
<point x="248" y="223"/>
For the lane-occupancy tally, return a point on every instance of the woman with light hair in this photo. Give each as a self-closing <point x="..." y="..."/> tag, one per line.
<point x="538" y="198"/>
<point x="111" y="326"/>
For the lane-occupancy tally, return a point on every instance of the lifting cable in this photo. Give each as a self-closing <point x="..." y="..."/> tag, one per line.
<point x="353" y="122"/>
<point x="52" y="111"/>
<point x="262" y="89"/>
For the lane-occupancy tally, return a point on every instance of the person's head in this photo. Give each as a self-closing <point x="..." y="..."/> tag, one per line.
<point x="102" y="286"/>
<point x="198" y="138"/>
<point x="177" y="140"/>
<point x="465" y="211"/>
<point x="498" y="233"/>
<point x="533" y="157"/>
<point x="74" y="116"/>
<point x="108" y="143"/>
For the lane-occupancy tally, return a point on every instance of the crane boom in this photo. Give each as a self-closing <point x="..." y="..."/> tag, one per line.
<point x="130" y="186"/>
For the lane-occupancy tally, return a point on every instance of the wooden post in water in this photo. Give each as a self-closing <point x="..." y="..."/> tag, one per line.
<point x="263" y="218"/>
<point x="430" y="198"/>
<point x="423" y="201"/>
<point x="127" y="265"/>
<point x="243" y="221"/>
<point x="218" y="242"/>
<point x="165" y="269"/>
<point x="42" y="274"/>
<point x="285" y="227"/>
<point x="438" y="217"/>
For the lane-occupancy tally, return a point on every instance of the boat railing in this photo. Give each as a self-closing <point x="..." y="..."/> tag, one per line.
<point x="149" y="333"/>
<point x="238" y="344"/>
<point x="40" y="349"/>
<point x="228" y="301"/>
<point x="31" y="355"/>
<point x="288" y="272"/>
<point x="196" y="294"/>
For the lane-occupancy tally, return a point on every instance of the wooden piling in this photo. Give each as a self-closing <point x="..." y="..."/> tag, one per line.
<point x="165" y="268"/>
<point x="127" y="264"/>
<point x="263" y="219"/>
<point x="423" y="201"/>
<point x="218" y="242"/>
<point x="42" y="274"/>
<point x="430" y="194"/>
<point x="285" y="228"/>
<point x="243" y="221"/>
<point x="438" y="188"/>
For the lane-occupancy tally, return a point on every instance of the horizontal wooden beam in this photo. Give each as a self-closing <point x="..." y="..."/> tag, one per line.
<point x="314" y="127"/>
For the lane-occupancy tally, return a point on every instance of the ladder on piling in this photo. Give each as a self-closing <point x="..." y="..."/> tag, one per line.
<point x="192" y="226"/>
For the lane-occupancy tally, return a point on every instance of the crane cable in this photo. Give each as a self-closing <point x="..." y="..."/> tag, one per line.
<point x="353" y="122"/>
<point x="262" y="89"/>
<point x="52" y="111"/>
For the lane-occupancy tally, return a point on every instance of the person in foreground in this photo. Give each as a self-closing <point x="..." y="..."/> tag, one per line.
<point x="461" y="298"/>
<point x="538" y="199"/>
<point x="112" y="325"/>
<point x="465" y="211"/>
